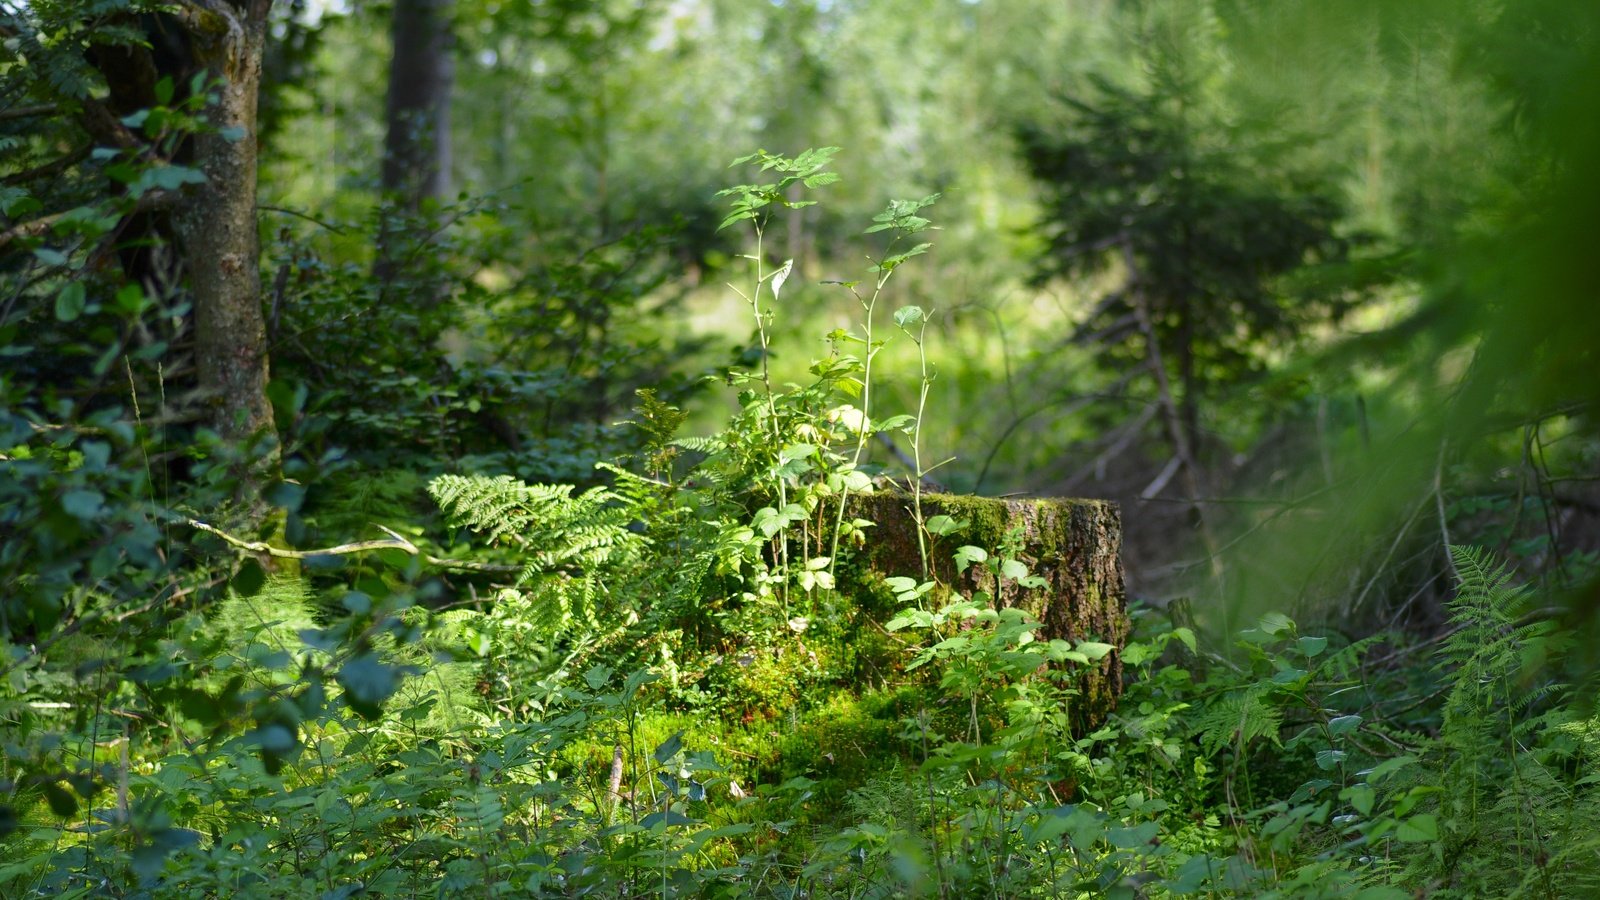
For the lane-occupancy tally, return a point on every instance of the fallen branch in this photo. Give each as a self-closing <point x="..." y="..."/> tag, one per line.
<point x="395" y="541"/>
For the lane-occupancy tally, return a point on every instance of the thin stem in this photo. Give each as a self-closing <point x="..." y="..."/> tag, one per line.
<point x="868" y="305"/>
<point x="916" y="445"/>
<point x="772" y="413"/>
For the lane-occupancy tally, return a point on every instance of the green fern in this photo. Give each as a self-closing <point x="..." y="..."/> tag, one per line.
<point x="560" y="532"/>
<point x="1238" y="719"/>
<point x="701" y="444"/>
<point x="571" y="547"/>
<point x="1513" y="819"/>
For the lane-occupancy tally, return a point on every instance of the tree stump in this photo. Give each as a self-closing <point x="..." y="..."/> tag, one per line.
<point x="1074" y="545"/>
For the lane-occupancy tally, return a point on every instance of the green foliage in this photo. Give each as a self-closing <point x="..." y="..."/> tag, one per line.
<point x="656" y="687"/>
<point x="1198" y="233"/>
<point x="578" y="569"/>
<point x="558" y="531"/>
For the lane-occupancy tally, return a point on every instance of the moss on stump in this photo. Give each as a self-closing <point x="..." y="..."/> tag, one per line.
<point x="1074" y="545"/>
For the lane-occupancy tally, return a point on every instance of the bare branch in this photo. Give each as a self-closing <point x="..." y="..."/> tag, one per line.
<point x="300" y="215"/>
<point x="395" y="541"/>
<point x="1160" y="483"/>
<point x="27" y="112"/>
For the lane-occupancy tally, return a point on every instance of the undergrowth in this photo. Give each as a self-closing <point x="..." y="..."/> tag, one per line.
<point x="661" y="687"/>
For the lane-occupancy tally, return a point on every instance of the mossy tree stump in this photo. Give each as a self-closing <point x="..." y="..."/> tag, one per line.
<point x="1074" y="545"/>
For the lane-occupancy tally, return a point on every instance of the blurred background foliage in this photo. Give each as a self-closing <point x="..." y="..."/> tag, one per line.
<point x="1357" y="231"/>
<point x="1307" y="287"/>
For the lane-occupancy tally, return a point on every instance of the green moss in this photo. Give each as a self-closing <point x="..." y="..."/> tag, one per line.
<point x="1070" y="543"/>
<point x="841" y="743"/>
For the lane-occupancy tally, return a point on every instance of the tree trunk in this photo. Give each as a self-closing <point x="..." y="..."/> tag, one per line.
<point x="1075" y="545"/>
<point x="1189" y="403"/>
<point x="216" y="226"/>
<point x="416" y="147"/>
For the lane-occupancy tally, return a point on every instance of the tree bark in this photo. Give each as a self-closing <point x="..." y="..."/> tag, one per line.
<point x="216" y="228"/>
<point x="1075" y="545"/>
<point x="416" y="148"/>
<point x="216" y="225"/>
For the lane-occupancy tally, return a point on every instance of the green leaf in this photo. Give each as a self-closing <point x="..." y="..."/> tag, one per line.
<point x="967" y="555"/>
<point x="908" y="316"/>
<point x="797" y="451"/>
<point x="276" y="739"/>
<point x="249" y="580"/>
<point x="71" y="302"/>
<point x="285" y="495"/>
<point x="896" y="423"/>
<point x="1013" y="569"/>
<point x="669" y="748"/>
<point x="368" y="682"/>
<point x="1193" y="874"/>
<point x="1418" y="828"/>
<point x="1094" y="649"/>
<point x="910" y="618"/>
<point x="1289" y="676"/>
<point x="942" y="525"/>
<point x="173" y="177"/>
<point x="1136" y="836"/>
<point x="130" y="299"/>
<point x="147" y="861"/>
<point x="597" y="676"/>
<point x="1343" y="725"/>
<point x="1388" y="767"/>
<point x="1276" y="623"/>
<point x="16" y="203"/>
<point x="62" y="801"/>
<point x="667" y="818"/>
<point x="1311" y="646"/>
<point x="1361" y="798"/>
<point x="781" y="276"/>
<point x="1382" y="893"/>
<point x="86" y="505"/>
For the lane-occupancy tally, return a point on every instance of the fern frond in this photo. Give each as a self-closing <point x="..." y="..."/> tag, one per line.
<point x="701" y="444"/>
<point x="570" y="544"/>
<point x="496" y="507"/>
<point x="1236" y="720"/>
